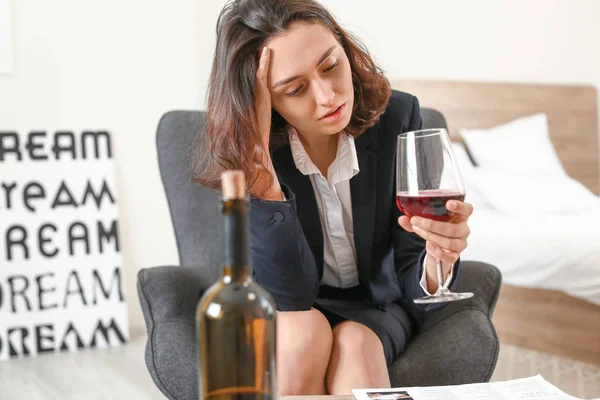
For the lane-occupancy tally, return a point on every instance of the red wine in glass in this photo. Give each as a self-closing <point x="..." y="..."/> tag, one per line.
<point x="429" y="204"/>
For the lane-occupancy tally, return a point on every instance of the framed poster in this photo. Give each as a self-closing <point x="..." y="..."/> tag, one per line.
<point x="61" y="279"/>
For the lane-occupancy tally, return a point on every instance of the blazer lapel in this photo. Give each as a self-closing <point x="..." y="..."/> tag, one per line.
<point x="308" y="213"/>
<point x="363" y="189"/>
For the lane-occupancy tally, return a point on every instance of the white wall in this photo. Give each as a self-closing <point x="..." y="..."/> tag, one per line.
<point x="120" y="64"/>
<point x="508" y="40"/>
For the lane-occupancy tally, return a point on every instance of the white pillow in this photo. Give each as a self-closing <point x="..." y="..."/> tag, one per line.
<point x="528" y="195"/>
<point x="522" y="145"/>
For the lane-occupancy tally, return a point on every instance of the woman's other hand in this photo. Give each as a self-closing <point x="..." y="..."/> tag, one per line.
<point x="262" y="97"/>
<point x="262" y="108"/>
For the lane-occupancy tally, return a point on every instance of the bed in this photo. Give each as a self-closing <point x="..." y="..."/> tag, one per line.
<point x="550" y="259"/>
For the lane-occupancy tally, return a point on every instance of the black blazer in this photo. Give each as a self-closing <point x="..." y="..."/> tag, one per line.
<point x="287" y="239"/>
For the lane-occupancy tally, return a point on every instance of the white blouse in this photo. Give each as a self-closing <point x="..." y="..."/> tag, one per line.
<point x="335" y="210"/>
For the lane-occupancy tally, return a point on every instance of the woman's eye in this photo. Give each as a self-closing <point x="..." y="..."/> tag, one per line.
<point x="293" y="93"/>
<point x="332" y="67"/>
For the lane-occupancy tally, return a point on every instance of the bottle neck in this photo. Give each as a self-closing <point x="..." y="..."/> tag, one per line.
<point x="236" y="237"/>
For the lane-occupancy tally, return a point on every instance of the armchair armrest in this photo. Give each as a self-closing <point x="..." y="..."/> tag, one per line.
<point x="457" y="344"/>
<point x="484" y="280"/>
<point x="169" y="296"/>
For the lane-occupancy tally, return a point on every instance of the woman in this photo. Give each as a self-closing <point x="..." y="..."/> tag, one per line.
<point x="299" y="105"/>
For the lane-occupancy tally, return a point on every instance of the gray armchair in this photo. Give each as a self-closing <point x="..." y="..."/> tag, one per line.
<point x="457" y="344"/>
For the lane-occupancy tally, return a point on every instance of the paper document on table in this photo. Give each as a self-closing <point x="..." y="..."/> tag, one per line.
<point x="535" y="387"/>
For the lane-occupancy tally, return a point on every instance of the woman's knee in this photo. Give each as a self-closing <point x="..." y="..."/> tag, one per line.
<point x="357" y="359"/>
<point x="304" y="343"/>
<point x="356" y="338"/>
<point x="302" y="332"/>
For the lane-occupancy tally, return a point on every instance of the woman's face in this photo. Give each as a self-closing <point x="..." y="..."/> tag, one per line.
<point x="310" y="78"/>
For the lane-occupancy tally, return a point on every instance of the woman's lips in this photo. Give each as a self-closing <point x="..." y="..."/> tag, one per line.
<point x="334" y="116"/>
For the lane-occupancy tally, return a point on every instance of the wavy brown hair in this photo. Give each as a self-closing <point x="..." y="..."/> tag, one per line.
<point x="230" y="138"/>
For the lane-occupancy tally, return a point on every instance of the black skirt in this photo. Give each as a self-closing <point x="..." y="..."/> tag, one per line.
<point x="391" y="323"/>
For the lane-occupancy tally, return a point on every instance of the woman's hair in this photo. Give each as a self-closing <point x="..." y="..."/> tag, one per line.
<point x="230" y="139"/>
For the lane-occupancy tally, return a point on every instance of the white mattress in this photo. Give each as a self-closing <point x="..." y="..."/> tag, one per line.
<point x="559" y="252"/>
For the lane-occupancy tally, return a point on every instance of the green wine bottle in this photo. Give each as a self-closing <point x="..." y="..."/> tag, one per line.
<point x="235" y="318"/>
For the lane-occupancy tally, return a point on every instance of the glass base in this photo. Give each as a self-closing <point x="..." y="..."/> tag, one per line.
<point x="443" y="298"/>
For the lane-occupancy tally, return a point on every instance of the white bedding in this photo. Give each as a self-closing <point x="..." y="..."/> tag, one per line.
<point x="540" y="231"/>
<point x="559" y="252"/>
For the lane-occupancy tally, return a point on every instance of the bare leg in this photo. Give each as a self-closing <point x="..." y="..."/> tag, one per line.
<point x="304" y="341"/>
<point x="357" y="360"/>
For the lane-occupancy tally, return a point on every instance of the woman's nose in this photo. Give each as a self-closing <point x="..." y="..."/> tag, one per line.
<point x="324" y="93"/>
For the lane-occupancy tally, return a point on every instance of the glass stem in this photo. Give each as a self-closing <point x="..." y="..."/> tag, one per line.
<point x="440" y="277"/>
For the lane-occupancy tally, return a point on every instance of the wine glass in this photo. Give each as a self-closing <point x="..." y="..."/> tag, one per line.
<point x="427" y="177"/>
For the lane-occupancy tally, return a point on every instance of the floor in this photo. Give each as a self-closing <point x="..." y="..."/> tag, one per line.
<point x="120" y="373"/>
<point x="113" y="373"/>
<point x="576" y="378"/>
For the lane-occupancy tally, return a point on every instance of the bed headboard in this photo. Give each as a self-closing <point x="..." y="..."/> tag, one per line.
<point x="572" y="115"/>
